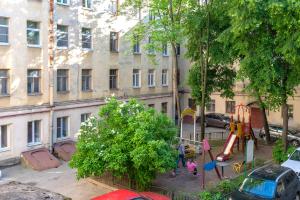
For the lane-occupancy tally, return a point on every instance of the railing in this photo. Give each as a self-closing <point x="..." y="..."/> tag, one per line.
<point x="218" y="135"/>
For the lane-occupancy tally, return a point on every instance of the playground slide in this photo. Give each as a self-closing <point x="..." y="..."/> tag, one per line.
<point x="227" y="147"/>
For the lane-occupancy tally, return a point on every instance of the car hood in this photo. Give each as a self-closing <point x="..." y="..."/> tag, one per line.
<point x="154" y="196"/>
<point x="237" y="195"/>
<point x="294" y="165"/>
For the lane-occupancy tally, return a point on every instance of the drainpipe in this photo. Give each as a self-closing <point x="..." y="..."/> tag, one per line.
<point x="51" y="71"/>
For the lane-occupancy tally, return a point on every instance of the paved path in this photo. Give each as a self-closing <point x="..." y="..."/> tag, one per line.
<point x="61" y="180"/>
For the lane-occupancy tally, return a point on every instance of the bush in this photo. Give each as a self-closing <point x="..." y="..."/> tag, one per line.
<point x="128" y="140"/>
<point x="278" y="154"/>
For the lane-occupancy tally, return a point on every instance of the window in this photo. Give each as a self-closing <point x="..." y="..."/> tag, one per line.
<point x="230" y="106"/>
<point x="151" y="105"/>
<point x="3" y="30"/>
<point x="113" y="79"/>
<point x="33" y="132"/>
<point x="150" y="46"/>
<point x="86" y="38"/>
<point x="85" y="116"/>
<point x="165" y="50"/>
<point x="33" y="33"/>
<point x="114" y="40"/>
<point x="164" y="77"/>
<point x="151" y="16"/>
<point x="87" y="3"/>
<point x="151" y="78"/>
<point x="114" y="7"/>
<point x="211" y="106"/>
<point x="61" y="127"/>
<point x="33" y="81"/>
<point x="86" y="79"/>
<point x="291" y="111"/>
<point x="178" y="49"/>
<point x="63" y="2"/>
<point x="3" y="82"/>
<point x="3" y="137"/>
<point x="136" y="46"/>
<point x="192" y="104"/>
<point x="62" y="36"/>
<point x="136" y="78"/>
<point x="164" y="107"/>
<point x="62" y="80"/>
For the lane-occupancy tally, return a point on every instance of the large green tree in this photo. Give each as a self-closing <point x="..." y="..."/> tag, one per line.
<point x="266" y="35"/>
<point x="212" y="62"/>
<point x="127" y="139"/>
<point x="165" y="27"/>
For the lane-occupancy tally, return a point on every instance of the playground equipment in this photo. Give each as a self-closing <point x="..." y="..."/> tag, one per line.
<point x="188" y="112"/>
<point x="243" y="133"/>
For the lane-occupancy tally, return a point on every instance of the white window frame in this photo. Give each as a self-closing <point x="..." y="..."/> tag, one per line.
<point x="151" y="78"/>
<point x="84" y="117"/>
<point x="62" y="32"/>
<point x="114" y="7"/>
<point x="7" y="138"/>
<point x="164" y="77"/>
<point x="61" y="127"/>
<point x="136" y="78"/>
<point x="165" y="50"/>
<point x="61" y="79"/>
<point x="59" y="2"/>
<point x="34" y="30"/>
<point x="85" y="4"/>
<point x="87" y="78"/>
<point x="33" y="82"/>
<point x="112" y="78"/>
<point x="5" y="26"/>
<point x="85" y="34"/>
<point x="136" y="47"/>
<point x="33" y="142"/>
<point x="151" y="51"/>
<point x="6" y="78"/>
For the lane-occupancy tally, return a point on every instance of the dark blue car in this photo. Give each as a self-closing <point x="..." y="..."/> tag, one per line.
<point x="269" y="182"/>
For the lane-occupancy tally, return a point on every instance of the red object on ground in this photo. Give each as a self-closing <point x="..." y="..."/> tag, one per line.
<point x="128" y="195"/>
<point x="39" y="159"/>
<point x="64" y="150"/>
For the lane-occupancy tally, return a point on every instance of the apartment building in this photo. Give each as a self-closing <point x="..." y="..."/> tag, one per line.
<point x="92" y="60"/>
<point x="225" y="106"/>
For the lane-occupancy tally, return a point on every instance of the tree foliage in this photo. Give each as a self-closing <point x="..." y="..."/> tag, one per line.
<point x="127" y="140"/>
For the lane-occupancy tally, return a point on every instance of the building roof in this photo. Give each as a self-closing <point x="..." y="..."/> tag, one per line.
<point x="269" y="172"/>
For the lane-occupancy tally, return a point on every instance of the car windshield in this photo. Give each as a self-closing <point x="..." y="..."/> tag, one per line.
<point x="295" y="156"/>
<point x="259" y="187"/>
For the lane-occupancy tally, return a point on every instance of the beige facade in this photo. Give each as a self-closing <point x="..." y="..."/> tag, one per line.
<point x="83" y="77"/>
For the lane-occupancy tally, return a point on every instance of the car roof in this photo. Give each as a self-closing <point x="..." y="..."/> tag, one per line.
<point x="269" y="172"/>
<point x="118" y="195"/>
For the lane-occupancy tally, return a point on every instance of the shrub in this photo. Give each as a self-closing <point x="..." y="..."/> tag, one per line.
<point x="278" y="154"/>
<point x="128" y="140"/>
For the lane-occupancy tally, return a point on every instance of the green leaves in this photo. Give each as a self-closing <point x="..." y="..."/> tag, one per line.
<point x="128" y="139"/>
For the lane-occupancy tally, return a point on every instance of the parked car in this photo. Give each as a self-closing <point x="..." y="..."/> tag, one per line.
<point x="217" y="120"/>
<point x="130" y="195"/>
<point x="276" y="132"/>
<point x="269" y="182"/>
<point x="293" y="162"/>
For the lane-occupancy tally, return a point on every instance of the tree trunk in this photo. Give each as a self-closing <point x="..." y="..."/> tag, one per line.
<point x="265" y="119"/>
<point x="285" y="125"/>
<point x="175" y="85"/>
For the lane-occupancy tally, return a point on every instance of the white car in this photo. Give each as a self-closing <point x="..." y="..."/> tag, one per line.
<point x="293" y="162"/>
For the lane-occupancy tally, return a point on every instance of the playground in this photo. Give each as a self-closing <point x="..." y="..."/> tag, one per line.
<point x="222" y="155"/>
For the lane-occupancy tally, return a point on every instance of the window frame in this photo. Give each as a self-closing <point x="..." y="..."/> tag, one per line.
<point x="84" y="117"/>
<point x="164" y="77"/>
<point x="62" y="32"/>
<point x="114" y="42"/>
<point x="38" y="30"/>
<point x="33" y="78"/>
<point x="114" y="6"/>
<point x="211" y="104"/>
<point x="164" y="107"/>
<point x="6" y="79"/>
<point x="64" y="4"/>
<point x="165" y="52"/>
<point x="86" y="78"/>
<point x="7" y="138"/>
<point x="136" y="46"/>
<point x="33" y="133"/>
<point x="136" y="78"/>
<point x="5" y="26"/>
<point x="151" y="78"/>
<point x="113" y="79"/>
<point x="61" y="79"/>
<point x="85" y="4"/>
<point x="151" y="51"/>
<point x="61" y="127"/>
<point x="86" y="35"/>
<point x="232" y="106"/>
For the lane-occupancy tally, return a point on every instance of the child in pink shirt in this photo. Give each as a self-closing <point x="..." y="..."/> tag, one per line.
<point x="192" y="167"/>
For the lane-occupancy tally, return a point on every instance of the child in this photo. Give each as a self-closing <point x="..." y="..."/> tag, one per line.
<point x="192" y="167"/>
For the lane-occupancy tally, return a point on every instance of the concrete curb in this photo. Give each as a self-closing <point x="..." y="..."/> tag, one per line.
<point x="97" y="183"/>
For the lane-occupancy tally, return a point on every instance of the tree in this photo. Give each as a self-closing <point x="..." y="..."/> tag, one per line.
<point x="164" y="26"/>
<point x="266" y="35"/>
<point x="128" y="140"/>
<point x="212" y="62"/>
